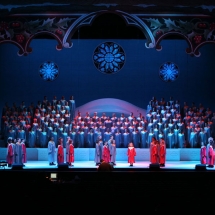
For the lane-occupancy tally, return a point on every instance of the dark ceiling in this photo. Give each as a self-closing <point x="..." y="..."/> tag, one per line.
<point x="71" y="6"/>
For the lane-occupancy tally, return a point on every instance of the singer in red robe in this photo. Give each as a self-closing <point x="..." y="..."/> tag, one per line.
<point x="106" y="153"/>
<point x="203" y="155"/>
<point x="71" y="153"/>
<point x="211" y="157"/>
<point x="10" y="152"/>
<point x="162" y="152"/>
<point x="131" y="153"/>
<point x="60" y="152"/>
<point x="24" y="156"/>
<point x="154" y="152"/>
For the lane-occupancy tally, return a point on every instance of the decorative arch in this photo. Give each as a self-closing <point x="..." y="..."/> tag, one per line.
<point x="196" y="29"/>
<point x="59" y="46"/>
<point x="166" y="35"/>
<point x="21" y="49"/>
<point x="130" y="20"/>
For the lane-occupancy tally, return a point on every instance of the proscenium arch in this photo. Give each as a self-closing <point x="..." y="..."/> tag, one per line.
<point x="130" y="20"/>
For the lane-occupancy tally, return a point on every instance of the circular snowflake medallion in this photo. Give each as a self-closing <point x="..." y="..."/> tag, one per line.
<point x="109" y="57"/>
<point x="49" y="71"/>
<point x="169" y="72"/>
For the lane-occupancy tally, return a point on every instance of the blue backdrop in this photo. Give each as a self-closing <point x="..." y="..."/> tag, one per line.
<point x="136" y="83"/>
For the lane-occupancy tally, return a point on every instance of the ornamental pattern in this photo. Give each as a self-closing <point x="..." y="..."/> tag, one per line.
<point x="169" y="72"/>
<point x="48" y="71"/>
<point x="109" y="58"/>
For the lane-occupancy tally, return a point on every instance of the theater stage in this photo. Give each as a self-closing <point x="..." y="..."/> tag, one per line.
<point x="120" y="166"/>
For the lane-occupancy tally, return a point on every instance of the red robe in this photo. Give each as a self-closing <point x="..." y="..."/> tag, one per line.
<point x="154" y="153"/>
<point x="71" y="154"/>
<point x="211" y="156"/>
<point x="10" y="154"/>
<point x="24" y="157"/>
<point x="203" y="158"/>
<point x="131" y="153"/>
<point x="106" y="154"/>
<point x="162" y="153"/>
<point x="60" y="154"/>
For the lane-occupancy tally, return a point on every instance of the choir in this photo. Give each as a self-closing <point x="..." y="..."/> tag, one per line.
<point x="178" y="126"/>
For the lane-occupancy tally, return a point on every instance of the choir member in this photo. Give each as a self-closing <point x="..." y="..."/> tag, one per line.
<point x="162" y="152"/>
<point x="135" y="138"/>
<point x="150" y="137"/>
<point x="60" y="152"/>
<point x="210" y="142"/>
<point x="107" y="135"/>
<point x="113" y="152"/>
<point x="54" y="135"/>
<point x="10" y="152"/>
<point x="72" y="107"/>
<point x="71" y="153"/>
<point x="118" y="138"/>
<point x="106" y="153"/>
<point x="80" y="138"/>
<point x="51" y="151"/>
<point x="98" y="152"/>
<point x="193" y="138"/>
<point x="18" y="152"/>
<point x="203" y="155"/>
<point x="143" y="138"/>
<point x="202" y="137"/>
<point x="43" y="138"/>
<point x="154" y="151"/>
<point x="73" y="136"/>
<point x="90" y="139"/>
<point x="211" y="157"/>
<point x="131" y="153"/>
<point x="170" y="139"/>
<point x="125" y="138"/>
<point x="181" y="139"/>
<point x="24" y="154"/>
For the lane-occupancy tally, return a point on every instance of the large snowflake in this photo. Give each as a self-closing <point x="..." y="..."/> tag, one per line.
<point x="169" y="72"/>
<point x="109" y="58"/>
<point x="48" y="71"/>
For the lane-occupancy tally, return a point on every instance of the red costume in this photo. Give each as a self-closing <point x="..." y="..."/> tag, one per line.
<point x="24" y="157"/>
<point x="131" y="153"/>
<point x="106" y="154"/>
<point x="211" y="157"/>
<point x="162" y="152"/>
<point x="203" y="157"/>
<point x="10" y="154"/>
<point x="71" y="153"/>
<point x="154" y="153"/>
<point x="60" y="154"/>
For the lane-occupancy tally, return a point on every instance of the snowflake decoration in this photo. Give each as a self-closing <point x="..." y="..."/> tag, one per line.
<point x="49" y="71"/>
<point x="109" y="58"/>
<point x="169" y="72"/>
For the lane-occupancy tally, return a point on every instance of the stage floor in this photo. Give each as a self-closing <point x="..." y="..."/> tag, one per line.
<point x="121" y="165"/>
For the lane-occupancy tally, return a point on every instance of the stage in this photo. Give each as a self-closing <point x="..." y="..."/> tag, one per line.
<point x="120" y="166"/>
